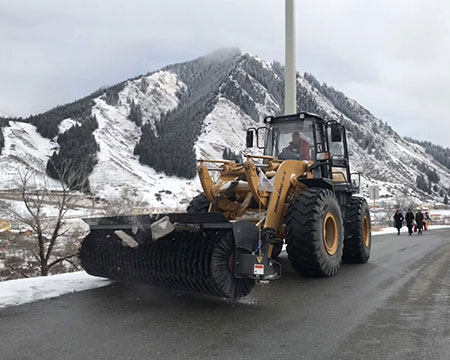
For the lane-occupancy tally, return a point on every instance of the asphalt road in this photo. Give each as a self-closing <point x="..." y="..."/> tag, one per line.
<point x="395" y="307"/>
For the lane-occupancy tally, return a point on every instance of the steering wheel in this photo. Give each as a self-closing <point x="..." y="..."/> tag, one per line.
<point x="289" y="155"/>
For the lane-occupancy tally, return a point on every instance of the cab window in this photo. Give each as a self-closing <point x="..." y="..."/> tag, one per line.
<point x="294" y="141"/>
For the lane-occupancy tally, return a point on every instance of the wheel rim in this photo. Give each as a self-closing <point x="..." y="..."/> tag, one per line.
<point x="330" y="233"/>
<point x="366" y="230"/>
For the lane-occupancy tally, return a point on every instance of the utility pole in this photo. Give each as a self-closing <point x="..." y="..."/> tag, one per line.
<point x="290" y="81"/>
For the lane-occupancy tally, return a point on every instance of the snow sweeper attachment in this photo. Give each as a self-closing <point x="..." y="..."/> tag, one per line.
<point x="300" y="192"/>
<point x="196" y="252"/>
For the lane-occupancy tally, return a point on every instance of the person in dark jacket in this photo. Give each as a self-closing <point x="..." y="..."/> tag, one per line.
<point x="409" y="217"/>
<point x="419" y="221"/>
<point x="398" y="217"/>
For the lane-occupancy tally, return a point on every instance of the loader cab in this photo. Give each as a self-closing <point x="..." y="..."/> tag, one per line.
<point x="306" y="137"/>
<point x="296" y="137"/>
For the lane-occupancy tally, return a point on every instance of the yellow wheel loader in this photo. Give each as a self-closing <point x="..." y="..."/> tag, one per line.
<point x="296" y="190"/>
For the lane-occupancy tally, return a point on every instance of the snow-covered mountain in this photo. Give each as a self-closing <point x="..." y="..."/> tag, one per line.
<point x="153" y="128"/>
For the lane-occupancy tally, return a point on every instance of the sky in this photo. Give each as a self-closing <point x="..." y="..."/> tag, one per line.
<point x="393" y="57"/>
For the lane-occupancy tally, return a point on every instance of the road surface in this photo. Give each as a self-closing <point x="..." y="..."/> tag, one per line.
<point x="395" y="307"/>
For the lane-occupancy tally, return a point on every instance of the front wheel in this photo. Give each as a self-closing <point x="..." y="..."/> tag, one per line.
<point x="314" y="233"/>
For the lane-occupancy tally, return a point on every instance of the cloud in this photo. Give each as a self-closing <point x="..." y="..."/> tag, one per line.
<point x="390" y="56"/>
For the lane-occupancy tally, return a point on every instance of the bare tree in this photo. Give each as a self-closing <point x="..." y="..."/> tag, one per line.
<point x="47" y="230"/>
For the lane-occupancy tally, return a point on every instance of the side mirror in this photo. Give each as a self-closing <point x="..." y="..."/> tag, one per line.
<point x="262" y="137"/>
<point x="249" y="137"/>
<point x="336" y="132"/>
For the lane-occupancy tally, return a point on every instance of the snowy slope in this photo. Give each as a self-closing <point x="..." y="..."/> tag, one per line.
<point x="224" y="127"/>
<point x="25" y="150"/>
<point x="396" y="173"/>
<point x="155" y="93"/>
<point x="117" y="136"/>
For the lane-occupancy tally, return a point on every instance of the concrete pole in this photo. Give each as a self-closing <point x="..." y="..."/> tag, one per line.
<point x="290" y="88"/>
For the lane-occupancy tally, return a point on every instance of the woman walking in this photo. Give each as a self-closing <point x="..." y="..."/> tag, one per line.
<point x="398" y="217"/>
<point x="419" y="221"/>
<point x="409" y="217"/>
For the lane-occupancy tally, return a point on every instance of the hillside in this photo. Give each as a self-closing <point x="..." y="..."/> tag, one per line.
<point x="147" y="133"/>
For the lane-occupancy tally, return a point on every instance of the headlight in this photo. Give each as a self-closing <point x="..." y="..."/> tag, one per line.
<point x="323" y="156"/>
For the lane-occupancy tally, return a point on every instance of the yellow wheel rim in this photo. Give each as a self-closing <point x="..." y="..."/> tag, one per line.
<point x="330" y="233"/>
<point x="366" y="230"/>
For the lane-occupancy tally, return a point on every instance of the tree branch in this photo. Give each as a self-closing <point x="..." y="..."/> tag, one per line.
<point x="17" y="270"/>
<point x="73" y="264"/>
<point x="57" y="261"/>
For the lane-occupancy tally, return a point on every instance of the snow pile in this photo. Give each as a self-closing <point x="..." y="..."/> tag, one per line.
<point x="22" y="291"/>
<point x="392" y="230"/>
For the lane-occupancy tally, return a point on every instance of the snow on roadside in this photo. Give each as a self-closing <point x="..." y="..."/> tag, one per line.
<point x="22" y="291"/>
<point x="392" y="230"/>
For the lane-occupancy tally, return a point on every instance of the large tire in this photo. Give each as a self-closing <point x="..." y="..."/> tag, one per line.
<point x="357" y="239"/>
<point x="199" y="204"/>
<point x="314" y="233"/>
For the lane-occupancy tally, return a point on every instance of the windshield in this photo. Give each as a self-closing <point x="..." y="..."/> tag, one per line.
<point x="293" y="140"/>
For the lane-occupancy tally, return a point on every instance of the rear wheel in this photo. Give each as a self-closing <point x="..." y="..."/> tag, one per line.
<point x="199" y="204"/>
<point x="314" y="233"/>
<point x="357" y="240"/>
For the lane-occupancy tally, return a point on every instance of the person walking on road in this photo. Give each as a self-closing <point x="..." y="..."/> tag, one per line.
<point x="427" y="220"/>
<point x="409" y="217"/>
<point x="398" y="217"/>
<point x="419" y="221"/>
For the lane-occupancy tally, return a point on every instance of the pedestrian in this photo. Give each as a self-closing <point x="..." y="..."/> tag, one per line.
<point x="427" y="220"/>
<point x="409" y="217"/>
<point x="398" y="217"/>
<point x="419" y="221"/>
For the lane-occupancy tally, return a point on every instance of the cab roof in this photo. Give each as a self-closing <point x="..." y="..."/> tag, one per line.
<point x="294" y="117"/>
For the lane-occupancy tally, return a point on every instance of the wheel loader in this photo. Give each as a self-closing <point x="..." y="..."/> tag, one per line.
<point x="295" y="189"/>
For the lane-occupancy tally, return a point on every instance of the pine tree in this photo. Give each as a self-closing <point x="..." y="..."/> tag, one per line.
<point x="77" y="154"/>
<point x="2" y="140"/>
<point x="135" y="113"/>
<point x="421" y="183"/>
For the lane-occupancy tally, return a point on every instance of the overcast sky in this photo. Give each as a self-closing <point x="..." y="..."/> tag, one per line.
<point x="393" y="57"/>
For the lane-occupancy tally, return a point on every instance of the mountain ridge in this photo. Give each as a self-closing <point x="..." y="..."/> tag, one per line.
<point x="154" y="127"/>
